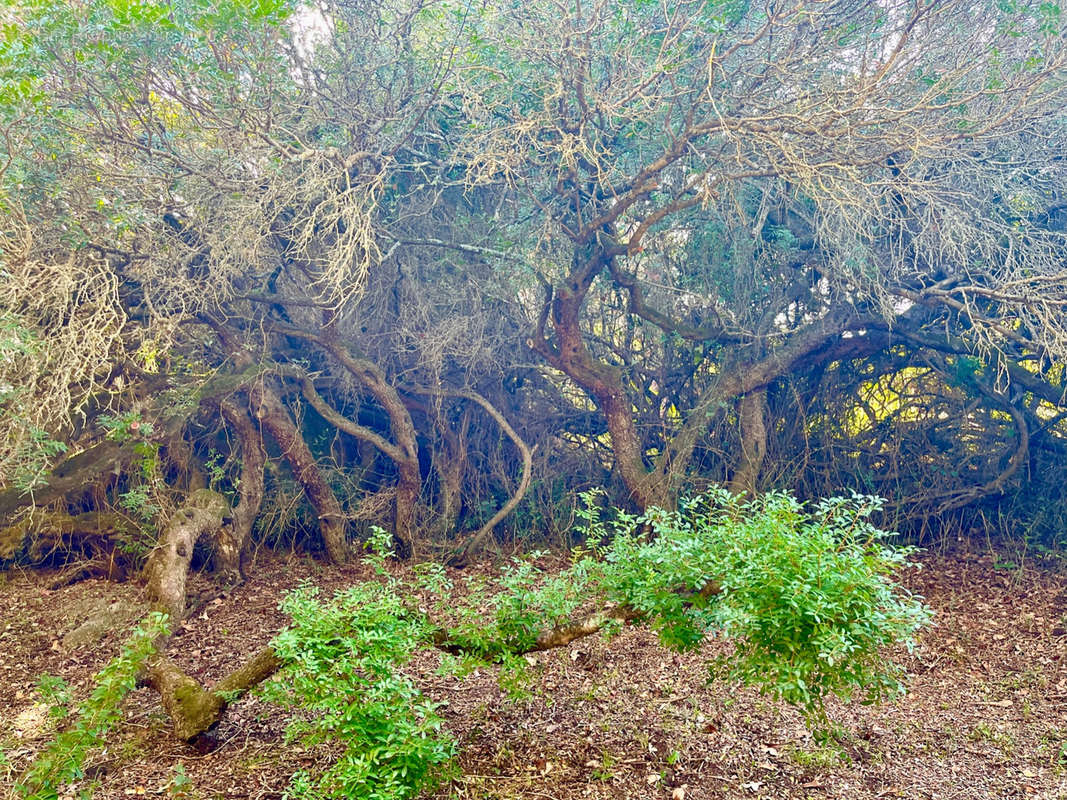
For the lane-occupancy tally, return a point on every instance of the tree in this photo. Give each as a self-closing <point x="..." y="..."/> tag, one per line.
<point x="801" y="184"/>
<point x="680" y="214"/>
<point x="439" y="267"/>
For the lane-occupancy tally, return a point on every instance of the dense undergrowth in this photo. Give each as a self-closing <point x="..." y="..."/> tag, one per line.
<point x="806" y="597"/>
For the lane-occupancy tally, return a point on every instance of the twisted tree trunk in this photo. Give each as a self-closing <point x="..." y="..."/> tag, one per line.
<point x="272" y="413"/>
<point x="233" y="538"/>
<point x="168" y="566"/>
<point x="404" y="447"/>
<point x="268" y="408"/>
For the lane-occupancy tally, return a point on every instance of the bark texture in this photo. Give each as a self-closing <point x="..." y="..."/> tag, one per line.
<point x="233" y="538"/>
<point x="168" y="566"/>
<point x="193" y="709"/>
<point x="275" y="418"/>
<point x="751" y="413"/>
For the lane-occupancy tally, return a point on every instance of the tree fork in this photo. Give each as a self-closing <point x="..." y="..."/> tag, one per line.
<point x="194" y="710"/>
<point x="603" y="382"/>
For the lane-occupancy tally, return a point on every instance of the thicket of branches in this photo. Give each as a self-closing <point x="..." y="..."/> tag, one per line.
<point x="440" y="266"/>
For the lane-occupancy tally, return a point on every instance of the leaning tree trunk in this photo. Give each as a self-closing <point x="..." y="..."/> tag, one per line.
<point x="751" y="412"/>
<point x="56" y="537"/>
<point x="72" y="475"/>
<point x="274" y="416"/>
<point x="168" y="566"/>
<point x="604" y="383"/>
<point x="271" y="412"/>
<point x="233" y="539"/>
<point x="165" y="574"/>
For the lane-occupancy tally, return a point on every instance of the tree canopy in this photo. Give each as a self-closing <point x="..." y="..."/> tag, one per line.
<point x="464" y="259"/>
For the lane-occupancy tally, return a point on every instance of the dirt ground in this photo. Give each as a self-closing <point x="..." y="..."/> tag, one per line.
<point x="985" y="715"/>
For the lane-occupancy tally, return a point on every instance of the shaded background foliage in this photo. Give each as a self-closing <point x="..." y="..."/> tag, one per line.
<point x="815" y="248"/>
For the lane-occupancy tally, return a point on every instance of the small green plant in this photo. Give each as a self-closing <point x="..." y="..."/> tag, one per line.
<point x="983" y="731"/>
<point x="126" y="427"/>
<point x="822" y="756"/>
<point x="138" y="503"/>
<point x="604" y="771"/>
<point x="215" y="466"/>
<point x="63" y="761"/>
<point x="140" y="500"/>
<point x="514" y="678"/>
<point x="1054" y="743"/>
<point x="346" y="658"/>
<point x="179" y="786"/>
<point x="136" y="542"/>
<point x="34" y="457"/>
<point x="55" y="692"/>
<point x="6" y="769"/>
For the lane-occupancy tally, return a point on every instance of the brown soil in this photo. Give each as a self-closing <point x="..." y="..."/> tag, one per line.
<point x="985" y="716"/>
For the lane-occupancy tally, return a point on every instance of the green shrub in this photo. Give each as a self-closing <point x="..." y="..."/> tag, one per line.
<point x="63" y="760"/>
<point x="807" y="598"/>
<point x="345" y="658"/>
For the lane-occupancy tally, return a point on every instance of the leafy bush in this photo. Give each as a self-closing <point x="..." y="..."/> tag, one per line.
<point x="807" y="598"/>
<point x="63" y="760"/>
<point x="345" y="658"/>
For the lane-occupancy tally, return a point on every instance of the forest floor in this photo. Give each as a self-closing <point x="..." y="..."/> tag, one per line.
<point x="985" y="715"/>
